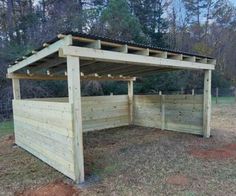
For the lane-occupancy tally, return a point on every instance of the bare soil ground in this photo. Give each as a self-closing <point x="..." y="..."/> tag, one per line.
<point x="134" y="161"/>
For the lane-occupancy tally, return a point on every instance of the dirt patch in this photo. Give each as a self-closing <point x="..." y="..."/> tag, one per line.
<point x="225" y="152"/>
<point x="134" y="160"/>
<point x="52" y="189"/>
<point x="6" y="144"/>
<point x="9" y="139"/>
<point x="179" y="180"/>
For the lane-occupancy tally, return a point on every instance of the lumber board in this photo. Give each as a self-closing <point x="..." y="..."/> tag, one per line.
<point x="74" y="92"/>
<point x="100" y="112"/>
<point x="182" y="113"/>
<point x="64" y="167"/>
<point x="207" y="104"/>
<point x="45" y="130"/>
<point x="126" y="58"/>
<point x="67" y="40"/>
<point x="16" y="88"/>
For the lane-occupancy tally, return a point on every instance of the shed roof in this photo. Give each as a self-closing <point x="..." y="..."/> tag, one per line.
<point x="102" y="56"/>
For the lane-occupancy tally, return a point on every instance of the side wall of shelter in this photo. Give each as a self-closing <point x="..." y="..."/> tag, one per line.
<point x="101" y="112"/>
<point x="183" y="113"/>
<point x="45" y="130"/>
<point x="44" y="127"/>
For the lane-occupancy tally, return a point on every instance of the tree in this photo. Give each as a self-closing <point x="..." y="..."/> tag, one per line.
<point x="151" y="15"/>
<point x="118" y="22"/>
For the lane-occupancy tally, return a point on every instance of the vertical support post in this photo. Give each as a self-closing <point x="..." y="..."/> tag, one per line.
<point x="217" y="95"/>
<point x="16" y="88"/>
<point x="193" y="92"/>
<point x="74" y="91"/>
<point x="130" y="97"/>
<point x="163" y="112"/>
<point x="207" y="104"/>
<point x="182" y="90"/>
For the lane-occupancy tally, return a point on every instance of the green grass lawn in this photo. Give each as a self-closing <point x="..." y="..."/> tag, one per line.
<point x="6" y="128"/>
<point x="224" y="100"/>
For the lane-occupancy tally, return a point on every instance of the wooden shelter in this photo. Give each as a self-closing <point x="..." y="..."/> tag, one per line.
<point x="52" y="128"/>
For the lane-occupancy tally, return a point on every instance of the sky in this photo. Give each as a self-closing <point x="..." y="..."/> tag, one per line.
<point x="233" y="1"/>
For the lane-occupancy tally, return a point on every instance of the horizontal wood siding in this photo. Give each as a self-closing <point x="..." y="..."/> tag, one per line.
<point x="182" y="113"/>
<point x="147" y="110"/>
<point x="45" y="130"/>
<point x="102" y="112"/>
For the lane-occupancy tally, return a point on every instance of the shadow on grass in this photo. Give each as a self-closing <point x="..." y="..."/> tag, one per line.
<point x="6" y="128"/>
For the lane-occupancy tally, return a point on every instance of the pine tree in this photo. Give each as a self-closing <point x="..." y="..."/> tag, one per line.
<point x="119" y="22"/>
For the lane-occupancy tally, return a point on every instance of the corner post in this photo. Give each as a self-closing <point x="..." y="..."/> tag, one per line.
<point x="207" y="104"/>
<point x="74" y="91"/>
<point x="130" y="100"/>
<point x="16" y="89"/>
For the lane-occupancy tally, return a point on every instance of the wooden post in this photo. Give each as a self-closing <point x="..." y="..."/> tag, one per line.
<point x="182" y="91"/>
<point x="235" y="94"/>
<point x="207" y="104"/>
<point x="193" y="92"/>
<point x="16" y="88"/>
<point x="217" y="95"/>
<point x="130" y="96"/>
<point x="162" y="112"/>
<point x="160" y="93"/>
<point x="73" y="72"/>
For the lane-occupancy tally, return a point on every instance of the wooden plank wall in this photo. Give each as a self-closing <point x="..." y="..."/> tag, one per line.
<point x="147" y="110"/>
<point x="183" y="113"/>
<point x="45" y="130"/>
<point x="101" y="112"/>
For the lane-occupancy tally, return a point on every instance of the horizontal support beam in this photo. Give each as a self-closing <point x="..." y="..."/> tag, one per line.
<point x="53" y="48"/>
<point x="63" y="77"/>
<point x="117" y="57"/>
<point x="46" y="65"/>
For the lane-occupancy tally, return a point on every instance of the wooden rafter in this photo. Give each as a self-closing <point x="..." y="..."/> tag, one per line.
<point x="64" y="77"/>
<point x="53" y="48"/>
<point x="105" y="51"/>
<point x="46" y="65"/>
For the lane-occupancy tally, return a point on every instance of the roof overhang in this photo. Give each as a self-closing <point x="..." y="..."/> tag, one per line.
<point x="103" y="60"/>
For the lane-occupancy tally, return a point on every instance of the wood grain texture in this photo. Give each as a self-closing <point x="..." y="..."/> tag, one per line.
<point x="99" y="112"/>
<point x="183" y="113"/>
<point x="45" y="130"/>
<point x="102" y="112"/>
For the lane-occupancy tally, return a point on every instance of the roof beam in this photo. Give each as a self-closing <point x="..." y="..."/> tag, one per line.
<point x="111" y="56"/>
<point x="95" y="44"/>
<point x="176" y="57"/>
<point x="56" y="70"/>
<point x="48" y="64"/>
<point x="113" y="69"/>
<point x="64" y="77"/>
<point x="191" y="59"/>
<point x="151" y="72"/>
<point x="122" y="48"/>
<point x="67" y="40"/>
<point x="143" y="52"/>
<point x="161" y="55"/>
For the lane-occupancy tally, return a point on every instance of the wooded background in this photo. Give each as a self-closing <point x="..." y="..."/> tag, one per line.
<point x="207" y="27"/>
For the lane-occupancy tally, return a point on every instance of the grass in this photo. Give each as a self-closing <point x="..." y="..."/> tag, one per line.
<point x="224" y="100"/>
<point x="134" y="161"/>
<point x="6" y="128"/>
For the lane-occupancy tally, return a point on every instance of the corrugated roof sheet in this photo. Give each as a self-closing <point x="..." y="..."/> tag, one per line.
<point x="108" y="39"/>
